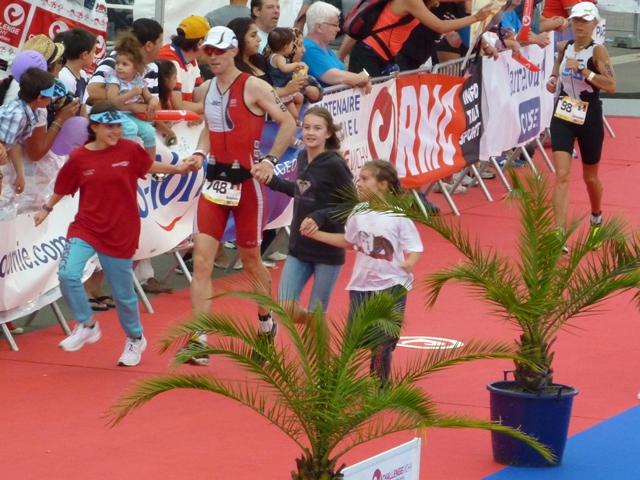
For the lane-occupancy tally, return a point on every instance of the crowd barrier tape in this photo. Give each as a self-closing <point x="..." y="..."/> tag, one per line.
<point x="429" y="125"/>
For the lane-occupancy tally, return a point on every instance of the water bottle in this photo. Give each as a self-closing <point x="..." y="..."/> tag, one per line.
<point x="211" y="167"/>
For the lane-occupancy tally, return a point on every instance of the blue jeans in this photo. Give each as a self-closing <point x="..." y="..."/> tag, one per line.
<point x="119" y="275"/>
<point x="297" y="273"/>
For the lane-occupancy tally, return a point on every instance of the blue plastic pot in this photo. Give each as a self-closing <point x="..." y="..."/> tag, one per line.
<point x="545" y="416"/>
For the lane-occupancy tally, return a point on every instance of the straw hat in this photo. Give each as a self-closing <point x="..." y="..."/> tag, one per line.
<point x="43" y="44"/>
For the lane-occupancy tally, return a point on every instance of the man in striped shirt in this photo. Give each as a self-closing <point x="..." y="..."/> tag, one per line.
<point x="149" y="34"/>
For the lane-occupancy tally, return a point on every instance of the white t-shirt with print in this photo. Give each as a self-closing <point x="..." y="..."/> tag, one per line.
<point x="381" y="241"/>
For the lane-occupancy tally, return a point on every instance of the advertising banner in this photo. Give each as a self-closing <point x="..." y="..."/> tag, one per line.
<point x="29" y="256"/>
<point x="439" y="125"/>
<point x="517" y="106"/>
<point x="400" y="463"/>
<point x="22" y="19"/>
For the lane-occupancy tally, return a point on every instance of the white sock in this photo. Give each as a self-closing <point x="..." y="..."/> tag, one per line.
<point x="265" y="326"/>
<point x="597" y="219"/>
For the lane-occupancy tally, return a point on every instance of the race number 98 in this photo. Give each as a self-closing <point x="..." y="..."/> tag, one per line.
<point x="566" y="106"/>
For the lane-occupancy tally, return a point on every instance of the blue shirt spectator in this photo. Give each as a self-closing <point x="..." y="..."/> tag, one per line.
<point x="511" y="21"/>
<point x="320" y="60"/>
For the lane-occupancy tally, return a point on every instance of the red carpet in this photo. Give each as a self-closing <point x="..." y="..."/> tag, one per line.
<point x="54" y="402"/>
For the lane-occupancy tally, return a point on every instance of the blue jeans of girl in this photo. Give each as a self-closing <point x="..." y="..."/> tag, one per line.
<point x="119" y="275"/>
<point x="297" y="273"/>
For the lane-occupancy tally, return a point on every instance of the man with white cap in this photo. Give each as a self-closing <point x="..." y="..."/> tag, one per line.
<point x="582" y="69"/>
<point x="234" y="109"/>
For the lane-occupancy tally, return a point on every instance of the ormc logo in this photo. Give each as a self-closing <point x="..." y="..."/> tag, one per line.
<point x="14" y="15"/>
<point x="377" y="475"/>
<point x="382" y="127"/>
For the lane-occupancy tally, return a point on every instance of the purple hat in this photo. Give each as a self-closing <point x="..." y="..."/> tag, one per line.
<point x="26" y="60"/>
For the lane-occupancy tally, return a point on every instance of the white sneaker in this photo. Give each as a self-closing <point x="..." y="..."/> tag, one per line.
<point x="449" y="188"/>
<point x="277" y="257"/>
<point x="132" y="352"/>
<point x="466" y="182"/>
<point x="80" y="336"/>
<point x="269" y="264"/>
<point x="238" y="265"/>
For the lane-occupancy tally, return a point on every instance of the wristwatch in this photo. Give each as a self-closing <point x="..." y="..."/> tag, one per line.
<point x="272" y="158"/>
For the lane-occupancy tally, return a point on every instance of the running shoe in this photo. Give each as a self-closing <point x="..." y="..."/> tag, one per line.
<point x="449" y="188"/>
<point x="594" y="228"/>
<point x="560" y="235"/>
<point x="197" y="341"/>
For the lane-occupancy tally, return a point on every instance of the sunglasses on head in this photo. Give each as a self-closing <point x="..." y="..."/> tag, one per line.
<point x="209" y="50"/>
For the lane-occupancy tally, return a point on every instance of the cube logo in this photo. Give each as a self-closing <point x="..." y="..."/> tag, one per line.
<point x="529" y="112"/>
<point x="14" y="15"/>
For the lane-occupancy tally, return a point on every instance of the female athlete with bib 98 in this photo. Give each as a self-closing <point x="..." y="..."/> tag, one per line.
<point x="583" y="69"/>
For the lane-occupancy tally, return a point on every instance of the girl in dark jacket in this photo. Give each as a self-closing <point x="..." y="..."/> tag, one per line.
<point x="322" y="180"/>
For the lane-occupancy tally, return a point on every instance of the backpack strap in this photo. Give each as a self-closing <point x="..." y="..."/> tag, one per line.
<point x="374" y="34"/>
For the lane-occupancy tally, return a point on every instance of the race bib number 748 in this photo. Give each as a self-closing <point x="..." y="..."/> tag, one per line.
<point x="222" y="193"/>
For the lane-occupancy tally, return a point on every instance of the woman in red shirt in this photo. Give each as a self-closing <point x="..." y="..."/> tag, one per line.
<point x="560" y="8"/>
<point x="105" y="171"/>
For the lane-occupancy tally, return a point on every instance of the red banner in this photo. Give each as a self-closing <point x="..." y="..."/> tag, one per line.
<point x="434" y="125"/>
<point x="523" y="34"/>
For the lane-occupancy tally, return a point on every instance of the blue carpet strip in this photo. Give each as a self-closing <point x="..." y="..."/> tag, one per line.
<point x="607" y="451"/>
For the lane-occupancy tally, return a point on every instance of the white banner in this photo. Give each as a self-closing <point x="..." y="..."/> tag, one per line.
<point x="516" y="106"/>
<point x="29" y="257"/>
<point x="400" y="463"/>
<point x="368" y="122"/>
<point x="167" y="209"/>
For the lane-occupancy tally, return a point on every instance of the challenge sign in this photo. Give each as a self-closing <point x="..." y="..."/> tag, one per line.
<point x="23" y="19"/>
<point x="400" y="463"/>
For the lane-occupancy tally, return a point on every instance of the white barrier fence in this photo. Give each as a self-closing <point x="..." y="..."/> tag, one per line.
<point x="516" y="108"/>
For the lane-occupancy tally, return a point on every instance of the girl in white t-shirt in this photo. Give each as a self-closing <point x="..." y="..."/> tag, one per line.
<point x="388" y="249"/>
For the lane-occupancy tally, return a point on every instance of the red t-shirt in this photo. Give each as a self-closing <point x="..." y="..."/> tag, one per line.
<point x="108" y="217"/>
<point x="558" y="8"/>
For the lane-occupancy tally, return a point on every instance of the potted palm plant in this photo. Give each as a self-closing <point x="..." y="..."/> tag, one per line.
<point x="317" y="389"/>
<point x="540" y="290"/>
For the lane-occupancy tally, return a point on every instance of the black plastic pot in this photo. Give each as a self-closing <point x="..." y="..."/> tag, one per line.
<point x="545" y="416"/>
